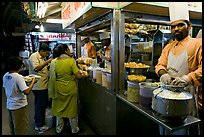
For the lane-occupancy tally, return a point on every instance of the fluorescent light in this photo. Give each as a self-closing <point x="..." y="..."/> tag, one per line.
<point x="97" y="42"/>
<point x="41" y="28"/>
<point x="54" y="20"/>
<point x="42" y="7"/>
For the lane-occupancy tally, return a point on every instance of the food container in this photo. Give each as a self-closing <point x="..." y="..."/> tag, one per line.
<point x="172" y="103"/>
<point x="90" y="71"/>
<point x="94" y="73"/>
<point x="132" y="91"/>
<point x="146" y="93"/>
<point x="29" y="78"/>
<point x="99" y="76"/>
<point x="104" y="77"/>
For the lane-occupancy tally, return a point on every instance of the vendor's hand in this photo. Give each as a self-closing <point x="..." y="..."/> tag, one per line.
<point x="165" y="78"/>
<point x="181" y="81"/>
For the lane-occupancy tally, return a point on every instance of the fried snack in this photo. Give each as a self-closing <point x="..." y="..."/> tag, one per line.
<point x="85" y="60"/>
<point x="136" y="78"/>
<point x="135" y="65"/>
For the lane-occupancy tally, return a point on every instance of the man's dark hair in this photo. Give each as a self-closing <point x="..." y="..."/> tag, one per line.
<point x="14" y="63"/>
<point x="56" y="52"/>
<point x="44" y="47"/>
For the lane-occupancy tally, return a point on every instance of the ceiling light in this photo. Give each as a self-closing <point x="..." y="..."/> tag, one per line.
<point x="54" y="20"/>
<point x="42" y="7"/>
<point x="37" y="26"/>
<point x="41" y="28"/>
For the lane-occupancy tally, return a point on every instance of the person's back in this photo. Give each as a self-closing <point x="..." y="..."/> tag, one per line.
<point x="63" y="89"/>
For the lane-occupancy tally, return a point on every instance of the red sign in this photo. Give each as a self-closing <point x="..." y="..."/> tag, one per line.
<point x="73" y="10"/>
<point x="56" y="36"/>
<point x="66" y="13"/>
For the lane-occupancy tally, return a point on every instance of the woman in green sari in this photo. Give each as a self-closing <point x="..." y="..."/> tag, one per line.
<point x="62" y="88"/>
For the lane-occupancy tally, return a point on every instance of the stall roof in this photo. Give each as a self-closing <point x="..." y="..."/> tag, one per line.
<point x="157" y="9"/>
<point x="146" y="9"/>
<point x="91" y="15"/>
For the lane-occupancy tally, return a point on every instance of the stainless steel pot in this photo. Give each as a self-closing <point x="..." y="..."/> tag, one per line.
<point x="169" y="103"/>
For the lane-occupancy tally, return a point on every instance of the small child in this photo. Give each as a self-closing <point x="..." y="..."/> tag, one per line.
<point x="16" y="90"/>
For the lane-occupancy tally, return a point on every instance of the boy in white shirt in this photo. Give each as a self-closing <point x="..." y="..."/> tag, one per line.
<point x="16" y="90"/>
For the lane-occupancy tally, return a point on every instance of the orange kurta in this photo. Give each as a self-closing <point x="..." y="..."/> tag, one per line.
<point x="194" y="50"/>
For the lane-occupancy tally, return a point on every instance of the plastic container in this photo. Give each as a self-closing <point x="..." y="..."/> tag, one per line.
<point x="133" y="91"/>
<point x="90" y="71"/>
<point x="98" y="76"/>
<point x="104" y="78"/>
<point x="94" y="73"/>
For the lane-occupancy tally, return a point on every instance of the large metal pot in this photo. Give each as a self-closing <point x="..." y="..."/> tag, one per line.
<point x="172" y="103"/>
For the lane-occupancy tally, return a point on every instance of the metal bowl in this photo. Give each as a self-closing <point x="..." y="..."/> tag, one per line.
<point x="137" y="71"/>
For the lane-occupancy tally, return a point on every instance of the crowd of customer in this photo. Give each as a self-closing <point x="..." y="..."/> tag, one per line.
<point x="62" y="99"/>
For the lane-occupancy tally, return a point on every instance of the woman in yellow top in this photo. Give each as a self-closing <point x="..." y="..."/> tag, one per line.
<point x="63" y="75"/>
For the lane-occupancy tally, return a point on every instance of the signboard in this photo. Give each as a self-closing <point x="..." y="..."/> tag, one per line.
<point x="72" y="11"/>
<point x="47" y="36"/>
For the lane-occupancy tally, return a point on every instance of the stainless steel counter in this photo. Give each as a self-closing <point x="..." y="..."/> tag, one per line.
<point x="112" y="114"/>
<point x="98" y="104"/>
<point x="150" y="114"/>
